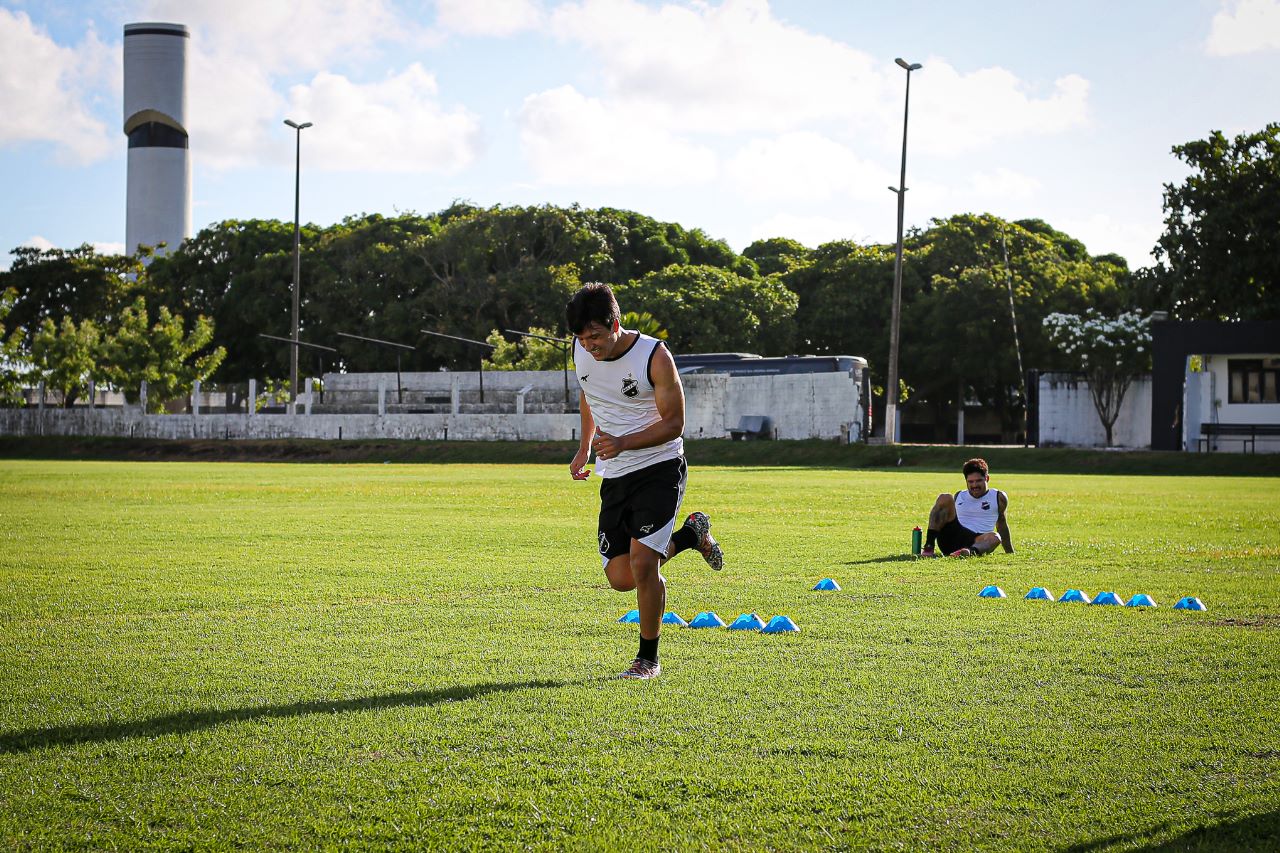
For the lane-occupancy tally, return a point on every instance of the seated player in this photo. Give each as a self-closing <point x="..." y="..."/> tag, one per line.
<point x="970" y="522"/>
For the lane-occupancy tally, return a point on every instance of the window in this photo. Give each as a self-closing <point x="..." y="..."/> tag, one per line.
<point x="1254" y="380"/>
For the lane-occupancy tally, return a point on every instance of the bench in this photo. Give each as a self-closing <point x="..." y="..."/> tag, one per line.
<point x="1247" y="434"/>
<point x="752" y="426"/>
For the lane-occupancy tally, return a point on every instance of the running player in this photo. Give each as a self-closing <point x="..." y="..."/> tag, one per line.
<point x="632" y="406"/>
<point x="970" y="522"/>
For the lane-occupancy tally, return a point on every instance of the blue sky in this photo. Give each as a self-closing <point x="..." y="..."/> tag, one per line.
<point x="744" y="118"/>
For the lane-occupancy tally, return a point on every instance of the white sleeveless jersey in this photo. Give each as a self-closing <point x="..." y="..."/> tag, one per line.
<point x="620" y="394"/>
<point x="978" y="514"/>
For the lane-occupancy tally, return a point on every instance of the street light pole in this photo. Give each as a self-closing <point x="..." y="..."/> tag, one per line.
<point x="297" y="258"/>
<point x="891" y="386"/>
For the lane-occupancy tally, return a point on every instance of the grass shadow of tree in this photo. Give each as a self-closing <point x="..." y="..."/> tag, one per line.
<point x="27" y="740"/>
<point x="1255" y="832"/>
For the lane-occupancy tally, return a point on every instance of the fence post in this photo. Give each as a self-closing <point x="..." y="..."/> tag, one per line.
<point x="40" y="403"/>
<point x="455" y="394"/>
<point x="253" y="397"/>
<point x="382" y="397"/>
<point x="195" y="397"/>
<point x="93" y="393"/>
<point x="306" y="384"/>
<point x="142" y="396"/>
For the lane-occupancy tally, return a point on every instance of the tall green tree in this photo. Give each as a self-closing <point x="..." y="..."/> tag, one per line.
<point x="66" y="357"/>
<point x="711" y="309"/>
<point x="165" y="354"/>
<point x="50" y="284"/>
<point x="12" y="360"/>
<point x="239" y="274"/>
<point x="1219" y="256"/>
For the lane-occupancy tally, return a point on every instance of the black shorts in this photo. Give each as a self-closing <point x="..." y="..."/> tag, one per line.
<point x="953" y="536"/>
<point x="641" y="505"/>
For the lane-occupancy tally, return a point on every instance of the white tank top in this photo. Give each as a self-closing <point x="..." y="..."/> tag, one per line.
<point x="620" y="394"/>
<point x="978" y="514"/>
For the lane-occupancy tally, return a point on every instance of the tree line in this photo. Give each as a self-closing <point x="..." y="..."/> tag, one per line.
<point x="474" y="272"/>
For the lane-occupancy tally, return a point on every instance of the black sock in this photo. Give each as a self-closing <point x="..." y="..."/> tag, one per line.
<point x="933" y="534"/>
<point x="684" y="539"/>
<point x="649" y="649"/>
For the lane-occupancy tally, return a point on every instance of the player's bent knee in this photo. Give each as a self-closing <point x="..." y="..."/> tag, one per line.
<point x="945" y="499"/>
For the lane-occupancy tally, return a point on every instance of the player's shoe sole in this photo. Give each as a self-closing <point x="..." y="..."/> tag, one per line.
<point x="963" y="552"/>
<point x="707" y="546"/>
<point x="642" y="669"/>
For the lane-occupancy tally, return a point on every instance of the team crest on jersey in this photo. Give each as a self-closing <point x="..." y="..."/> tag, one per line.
<point x="604" y="544"/>
<point x="630" y="387"/>
<point x="986" y="505"/>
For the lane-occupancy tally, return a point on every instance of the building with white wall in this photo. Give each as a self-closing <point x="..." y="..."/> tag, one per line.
<point x="158" y="199"/>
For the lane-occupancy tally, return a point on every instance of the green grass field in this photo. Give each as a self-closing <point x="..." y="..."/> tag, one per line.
<point x="215" y="656"/>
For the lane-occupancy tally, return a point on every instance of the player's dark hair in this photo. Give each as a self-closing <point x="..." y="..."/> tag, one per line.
<point x="976" y="466"/>
<point x="594" y="302"/>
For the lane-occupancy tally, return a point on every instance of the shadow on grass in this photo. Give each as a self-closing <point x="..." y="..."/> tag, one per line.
<point x="892" y="558"/>
<point x="1256" y="832"/>
<point x="26" y="740"/>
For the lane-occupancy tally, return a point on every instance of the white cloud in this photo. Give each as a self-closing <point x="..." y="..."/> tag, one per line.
<point x="109" y="248"/>
<point x="952" y="112"/>
<point x="1003" y="185"/>
<point x="36" y="241"/>
<point x="242" y="51"/>
<point x="278" y="37"/>
<point x="804" y="166"/>
<point x="45" y="89"/>
<point x="699" y="75"/>
<point x="488" y="17"/>
<point x="570" y="138"/>
<point x="1103" y="234"/>
<point x="390" y="126"/>
<point x="723" y="68"/>
<point x="1245" y="26"/>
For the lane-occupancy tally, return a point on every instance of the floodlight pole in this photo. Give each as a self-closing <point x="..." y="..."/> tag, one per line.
<point x="891" y="385"/>
<point x="297" y="257"/>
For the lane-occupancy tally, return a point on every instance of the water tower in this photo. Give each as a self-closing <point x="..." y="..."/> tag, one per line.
<point x="158" y="201"/>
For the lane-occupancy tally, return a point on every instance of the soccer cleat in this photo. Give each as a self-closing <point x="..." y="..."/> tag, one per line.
<point x="707" y="546"/>
<point x="927" y="553"/>
<point x="962" y="552"/>
<point x="641" y="668"/>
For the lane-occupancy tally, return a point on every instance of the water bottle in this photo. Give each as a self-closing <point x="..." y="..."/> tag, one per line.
<point x="915" y="541"/>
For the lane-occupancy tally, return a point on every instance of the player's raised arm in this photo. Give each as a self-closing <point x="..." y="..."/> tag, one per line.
<point x="1002" y="526"/>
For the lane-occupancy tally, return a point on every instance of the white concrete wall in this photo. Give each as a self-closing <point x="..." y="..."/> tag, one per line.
<point x="800" y="406"/>
<point x="1068" y="418"/>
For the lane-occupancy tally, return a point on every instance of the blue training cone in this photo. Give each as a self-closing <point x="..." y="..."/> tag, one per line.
<point x="1039" y="593"/>
<point x="707" y="620"/>
<point x="747" y="622"/>
<point x="1190" y="602"/>
<point x="1142" y="600"/>
<point x="673" y="618"/>
<point x="992" y="591"/>
<point x="631" y="617"/>
<point x="827" y="584"/>
<point x="1108" y="598"/>
<point x="780" y="625"/>
<point x="1075" y="595"/>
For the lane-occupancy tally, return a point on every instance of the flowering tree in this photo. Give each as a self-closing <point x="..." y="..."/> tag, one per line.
<point x="1109" y="351"/>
